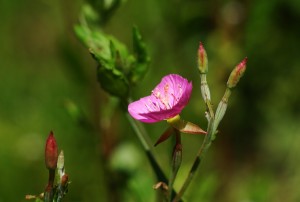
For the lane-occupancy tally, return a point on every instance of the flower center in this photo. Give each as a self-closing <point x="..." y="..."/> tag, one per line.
<point x="163" y="97"/>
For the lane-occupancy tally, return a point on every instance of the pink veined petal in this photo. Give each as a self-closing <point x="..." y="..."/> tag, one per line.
<point x="167" y="100"/>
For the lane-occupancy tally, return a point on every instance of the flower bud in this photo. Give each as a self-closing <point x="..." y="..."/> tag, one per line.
<point x="177" y="156"/>
<point x="236" y="74"/>
<point x="61" y="164"/>
<point x="202" y="59"/>
<point x="64" y="180"/>
<point x="51" y="152"/>
<point x="61" y="160"/>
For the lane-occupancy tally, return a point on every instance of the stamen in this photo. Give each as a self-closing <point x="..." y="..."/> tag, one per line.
<point x="166" y="88"/>
<point x="148" y="108"/>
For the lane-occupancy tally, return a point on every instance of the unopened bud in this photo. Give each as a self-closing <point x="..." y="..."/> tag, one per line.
<point x="202" y="59"/>
<point x="64" y="180"/>
<point x="61" y="160"/>
<point x="61" y="164"/>
<point x="236" y="74"/>
<point x="51" y="152"/>
<point x="177" y="156"/>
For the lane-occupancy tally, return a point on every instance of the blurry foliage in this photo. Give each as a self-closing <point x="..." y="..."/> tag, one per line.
<point x="255" y="157"/>
<point x="117" y="69"/>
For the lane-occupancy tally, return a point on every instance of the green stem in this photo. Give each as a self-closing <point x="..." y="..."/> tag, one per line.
<point x="201" y="153"/>
<point x="176" y="162"/>
<point x="140" y="132"/>
<point x="147" y="145"/>
<point x="48" y="194"/>
<point x="204" y="88"/>
<point x="220" y="112"/>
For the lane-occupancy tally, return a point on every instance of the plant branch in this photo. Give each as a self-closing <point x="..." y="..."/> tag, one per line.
<point x="147" y="145"/>
<point x="201" y="153"/>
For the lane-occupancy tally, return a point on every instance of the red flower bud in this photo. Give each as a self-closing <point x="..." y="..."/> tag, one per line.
<point x="236" y="74"/>
<point x="51" y="152"/>
<point x="202" y="59"/>
<point x="64" y="179"/>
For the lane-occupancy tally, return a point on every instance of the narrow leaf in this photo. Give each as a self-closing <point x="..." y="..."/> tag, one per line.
<point x="140" y="67"/>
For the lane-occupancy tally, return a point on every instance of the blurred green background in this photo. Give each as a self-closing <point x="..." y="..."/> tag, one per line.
<point x="48" y="82"/>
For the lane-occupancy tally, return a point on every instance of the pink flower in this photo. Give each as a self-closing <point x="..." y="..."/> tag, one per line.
<point x="167" y="100"/>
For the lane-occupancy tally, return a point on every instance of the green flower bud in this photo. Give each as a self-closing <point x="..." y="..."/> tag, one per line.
<point x="202" y="59"/>
<point x="236" y="74"/>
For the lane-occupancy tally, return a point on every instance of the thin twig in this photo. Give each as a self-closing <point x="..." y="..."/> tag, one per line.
<point x="208" y="137"/>
<point x="147" y="145"/>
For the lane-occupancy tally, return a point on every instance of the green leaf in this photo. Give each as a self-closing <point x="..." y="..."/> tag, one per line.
<point x="117" y="68"/>
<point x="141" y="62"/>
<point x="139" y="47"/>
<point x="113" y="81"/>
<point x="119" y="55"/>
<point x="110" y="55"/>
<point x="96" y="41"/>
<point x="90" y="14"/>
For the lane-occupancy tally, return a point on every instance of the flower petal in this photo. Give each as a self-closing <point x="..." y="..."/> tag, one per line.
<point x="167" y="100"/>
